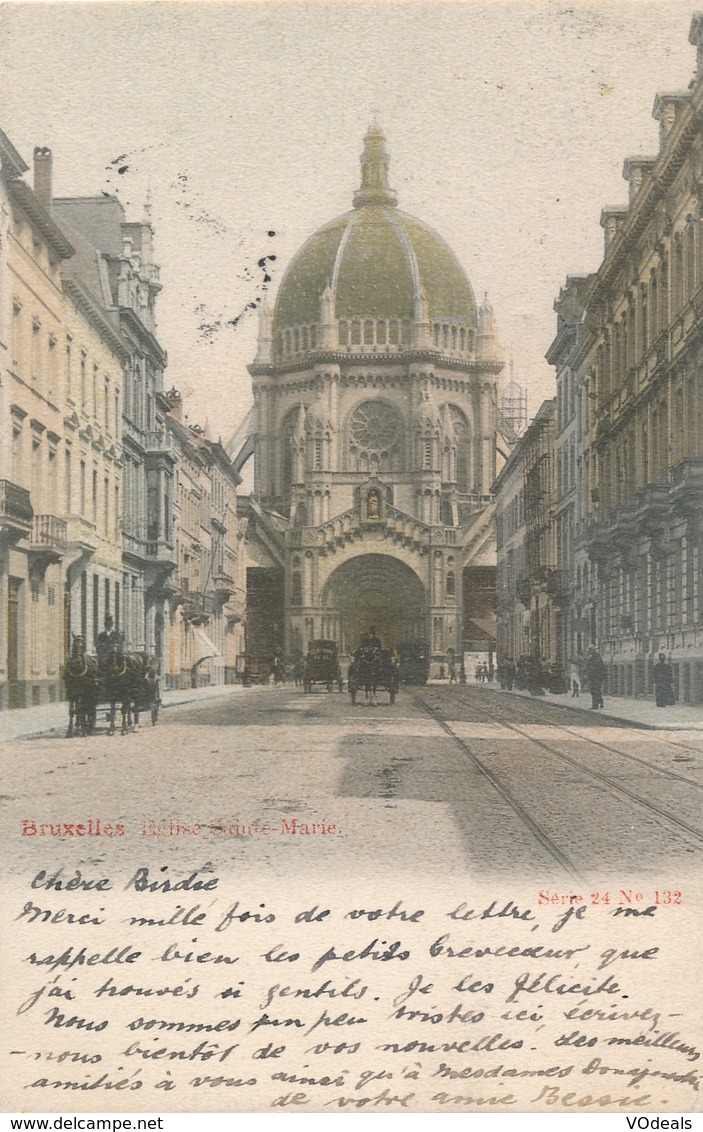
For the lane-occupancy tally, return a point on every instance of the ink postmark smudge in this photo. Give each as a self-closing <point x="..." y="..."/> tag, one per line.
<point x="210" y="327"/>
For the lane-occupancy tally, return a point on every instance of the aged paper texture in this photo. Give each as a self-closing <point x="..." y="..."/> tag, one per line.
<point x="442" y="893"/>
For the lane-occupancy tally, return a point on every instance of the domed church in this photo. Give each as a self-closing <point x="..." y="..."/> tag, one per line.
<point x="376" y="384"/>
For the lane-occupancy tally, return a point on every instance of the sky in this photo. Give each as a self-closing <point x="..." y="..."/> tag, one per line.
<point x="507" y="126"/>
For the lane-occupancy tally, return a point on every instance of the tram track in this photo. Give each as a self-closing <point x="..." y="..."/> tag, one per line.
<point x="506" y="794"/>
<point x="525" y="705"/>
<point x="574" y="733"/>
<point x="660" y="816"/>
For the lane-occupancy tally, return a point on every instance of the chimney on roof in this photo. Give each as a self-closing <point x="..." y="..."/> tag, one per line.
<point x="42" y="175"/>
<point x="176" y="404"/>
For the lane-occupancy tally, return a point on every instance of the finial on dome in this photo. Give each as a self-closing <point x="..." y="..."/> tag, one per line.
<point x="374" y="171"/>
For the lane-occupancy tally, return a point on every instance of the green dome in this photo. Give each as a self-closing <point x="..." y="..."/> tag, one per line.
<point x="379" y="262"/>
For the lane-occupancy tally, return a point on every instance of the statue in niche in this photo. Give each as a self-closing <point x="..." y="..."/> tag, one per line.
<point x="373" y="505"/>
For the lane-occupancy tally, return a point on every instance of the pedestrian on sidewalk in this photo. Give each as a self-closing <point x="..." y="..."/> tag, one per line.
<point x="595" y="674"/>
<point x="663" y="676"/>
<point x="575" y="675"/>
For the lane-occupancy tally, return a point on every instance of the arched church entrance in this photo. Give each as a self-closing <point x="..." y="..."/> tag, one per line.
<point x="375" y="589"/>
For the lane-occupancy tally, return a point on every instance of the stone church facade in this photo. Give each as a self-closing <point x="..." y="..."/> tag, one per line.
<point x="376" y="385"/>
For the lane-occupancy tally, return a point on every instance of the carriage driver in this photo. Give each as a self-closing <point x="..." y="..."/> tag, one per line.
<point x="370" y="640"/>
<point x="109" y="642"/>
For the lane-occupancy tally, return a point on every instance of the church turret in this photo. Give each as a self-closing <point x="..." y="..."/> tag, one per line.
<point x="448" y="446"/>
<point x="422" y="320"/>
<point x="297" y="442"/>
<point x="263" y="353"/>
<point x="374" y="172"/>
<point x="328" y="319"/>
<point x="488" y="347"/>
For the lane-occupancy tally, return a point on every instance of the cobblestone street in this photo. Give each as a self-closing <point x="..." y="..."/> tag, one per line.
<point x="448" y="781"/>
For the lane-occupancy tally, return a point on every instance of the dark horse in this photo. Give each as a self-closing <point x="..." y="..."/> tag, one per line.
<point x="130" y="681"/>
<point x="373" y="668"/>
<point x="82" y="684"/>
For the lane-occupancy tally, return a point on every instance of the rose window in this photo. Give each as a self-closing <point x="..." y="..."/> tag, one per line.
<point x="375" y="426"/>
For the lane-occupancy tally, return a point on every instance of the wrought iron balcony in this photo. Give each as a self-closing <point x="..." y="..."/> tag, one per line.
<point x="48" y="542"/>
<point x="158" y="440"/>
<point x="160" y="447"/>
<point x="48" y="534"/>
<point x="196" y="607"/>
<point x="223" y="584"/>
<point x="557" y="584"/>
<point x="16" y="512"/>
<point x="161" y="550"/>
<point x="687" y="486"/>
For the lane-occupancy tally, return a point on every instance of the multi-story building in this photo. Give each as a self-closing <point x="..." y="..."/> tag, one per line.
<point x="575" y="604"/>
<point x="128" y="278"/>
<point x="208" y="595"/>
<point x="95" y="355"/>
<point x="86" y="463"/>
<point x="529" y="584"/>
<point x="638" y="373"/>
<point x="513" y="620"/>
<point x="33" y="531"/>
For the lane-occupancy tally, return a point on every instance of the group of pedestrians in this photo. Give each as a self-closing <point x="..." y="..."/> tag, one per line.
<point x="484" y="673"/>
<point x="530" y="673"/>
<point x="533" y="674"/>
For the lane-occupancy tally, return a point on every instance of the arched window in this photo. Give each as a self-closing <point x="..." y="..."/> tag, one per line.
<point x="381" y="333"/>
<point x="451" y="585"/>
<point x="462" y="433"/>
<point x="305" y="337"/>
<point x="344" y="334"/>
<point x="690" y="258"/>
<point x="677" y="274"/>
<point x="286" y="451"/>
<point x="296" y="340"/>
<point x="296" y="588"/>
<point x="356" y="333"/>
<point x="368" y="332"/>
<point x="393" y="332"/>
<point x="654" y="307"/>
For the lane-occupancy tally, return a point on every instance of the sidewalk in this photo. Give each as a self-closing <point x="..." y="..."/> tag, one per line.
<point x="52" y="719"/>
<point x="640" y="713"/>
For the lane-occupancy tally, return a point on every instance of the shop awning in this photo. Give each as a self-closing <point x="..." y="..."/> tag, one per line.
<point x="203" y="647"/>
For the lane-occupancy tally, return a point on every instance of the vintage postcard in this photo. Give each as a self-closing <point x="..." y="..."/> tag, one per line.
<point x="351" y="558"/>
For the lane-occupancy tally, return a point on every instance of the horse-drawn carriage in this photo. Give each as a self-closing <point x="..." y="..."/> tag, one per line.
<point x="373" y="668"/>
<point x="322" y="666"/>
<point x="414" y="662"/>
<point x="128" y="680"/>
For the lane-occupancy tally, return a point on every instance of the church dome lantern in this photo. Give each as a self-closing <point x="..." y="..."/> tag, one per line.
<point x="374" y="280"/>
